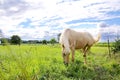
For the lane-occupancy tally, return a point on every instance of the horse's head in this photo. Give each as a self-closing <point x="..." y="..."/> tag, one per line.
<point x="65" y="55"/>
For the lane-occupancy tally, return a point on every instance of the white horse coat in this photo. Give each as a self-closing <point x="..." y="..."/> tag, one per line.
<point x="71" y="40"/>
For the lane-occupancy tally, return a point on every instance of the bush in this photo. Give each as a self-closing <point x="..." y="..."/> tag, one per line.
<point x="116" y="46"/>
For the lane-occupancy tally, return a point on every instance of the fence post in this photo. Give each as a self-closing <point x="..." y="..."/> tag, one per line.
<point x="109" y="48"/>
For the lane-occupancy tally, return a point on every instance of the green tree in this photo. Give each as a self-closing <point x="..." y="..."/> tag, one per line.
<point x="58" y="36"/>
<point x="44" y="41"/>
<point x="4" y="41"/>
<point x="53" y="41"/>
<point x="15" y="39"/>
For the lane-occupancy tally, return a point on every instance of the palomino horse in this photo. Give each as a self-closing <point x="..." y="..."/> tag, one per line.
<point x="72" y="40"/>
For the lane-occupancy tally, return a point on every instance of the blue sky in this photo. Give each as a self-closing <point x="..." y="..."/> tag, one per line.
<point x="45" y="19"/>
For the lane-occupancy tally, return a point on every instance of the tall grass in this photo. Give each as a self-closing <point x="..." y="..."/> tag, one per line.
<point x="44" y="62"/>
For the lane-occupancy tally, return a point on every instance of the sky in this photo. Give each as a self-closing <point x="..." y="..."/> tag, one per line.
<point x="45" y="19"/>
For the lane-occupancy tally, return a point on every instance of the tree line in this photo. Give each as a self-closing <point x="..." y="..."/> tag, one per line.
<point x="16" y="40"/>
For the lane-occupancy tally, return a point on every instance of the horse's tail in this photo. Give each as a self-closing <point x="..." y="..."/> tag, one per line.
<point x="64" y="41"/>
<point x="98" y="37"/>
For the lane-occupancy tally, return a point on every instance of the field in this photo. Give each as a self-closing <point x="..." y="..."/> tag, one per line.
<point x="44" y="62"/>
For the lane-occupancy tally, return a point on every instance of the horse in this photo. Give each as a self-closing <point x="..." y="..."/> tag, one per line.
<point x="72" y="40"/>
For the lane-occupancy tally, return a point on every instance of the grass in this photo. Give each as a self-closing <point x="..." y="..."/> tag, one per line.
<point x="44" y="62"/>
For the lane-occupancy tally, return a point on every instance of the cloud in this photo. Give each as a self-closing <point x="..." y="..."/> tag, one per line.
<point x="13" y="7"/>
<point x="102" y="25"/>
<point x="109" y="31"/>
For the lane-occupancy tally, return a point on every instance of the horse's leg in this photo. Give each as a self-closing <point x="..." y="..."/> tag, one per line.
<point x="63" y="54"/>
<point x="87" y="49"/>
<point x="85" y="60"/>
<point x="72" y="47"/>
<point x="84" y="51"/>
<point x="73" y="54"/>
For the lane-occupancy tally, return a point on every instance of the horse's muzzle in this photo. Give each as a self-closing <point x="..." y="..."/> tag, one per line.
<point x="65" y="63"/>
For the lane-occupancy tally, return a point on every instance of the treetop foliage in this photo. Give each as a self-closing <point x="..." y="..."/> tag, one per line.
<point x="15" y="39"/>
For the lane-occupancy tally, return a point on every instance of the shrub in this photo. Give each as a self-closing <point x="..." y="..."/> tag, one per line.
<point x="116" y="46"/>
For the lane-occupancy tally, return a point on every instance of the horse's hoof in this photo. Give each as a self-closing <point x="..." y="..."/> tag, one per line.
<point x="66" y="64"/>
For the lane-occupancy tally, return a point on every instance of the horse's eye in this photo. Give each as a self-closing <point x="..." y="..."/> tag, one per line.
<point x="63" y="46"/>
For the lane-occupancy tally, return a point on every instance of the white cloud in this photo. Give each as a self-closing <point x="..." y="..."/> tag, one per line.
<point x="45" y="14"/>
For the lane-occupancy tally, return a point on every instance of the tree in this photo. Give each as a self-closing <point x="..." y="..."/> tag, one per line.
<point x="58" y="36"/>
<point x="53" y="41"/>
<point x="1" y="34"/>
<point x="4" y="41"/>
<point x="44" y="41"/>
<point x="15" y="39"/>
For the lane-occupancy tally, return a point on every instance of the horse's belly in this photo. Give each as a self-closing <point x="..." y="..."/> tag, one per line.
<point x="79" y="45"/>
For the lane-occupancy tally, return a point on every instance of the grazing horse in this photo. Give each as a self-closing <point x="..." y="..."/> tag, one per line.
<point x="71" y="40"/>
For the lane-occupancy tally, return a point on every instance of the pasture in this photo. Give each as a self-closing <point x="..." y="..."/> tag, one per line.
<point x="44" y="62"/>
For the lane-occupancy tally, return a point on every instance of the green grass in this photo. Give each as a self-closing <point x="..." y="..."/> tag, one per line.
<point x="44" y="62"/>
<point x="104" y="44"/>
